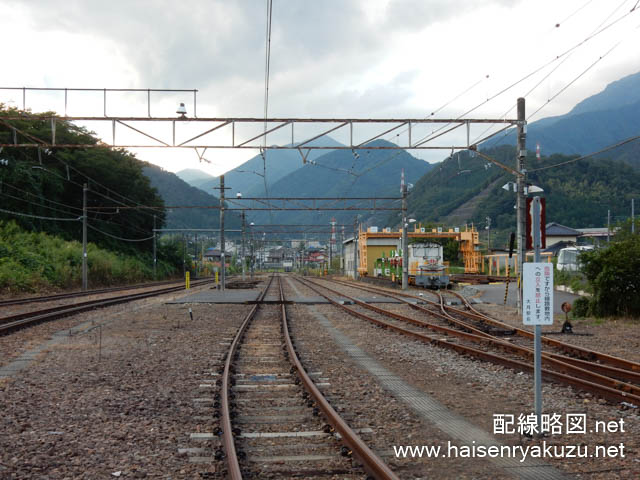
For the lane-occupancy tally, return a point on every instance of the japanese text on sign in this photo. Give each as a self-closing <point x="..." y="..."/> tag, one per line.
<point x="537" y="294"/>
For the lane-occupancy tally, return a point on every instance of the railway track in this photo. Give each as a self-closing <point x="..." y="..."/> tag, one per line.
<point x="464" y="338"/>
<point x="17" y="321"/>
<point x="581" y="357"/>
<point x="267" y="398"/>
<point x="99" y="291"/>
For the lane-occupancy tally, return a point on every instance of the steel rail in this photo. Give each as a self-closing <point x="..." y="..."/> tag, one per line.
<point x="602" y="369"/>
<point x="21" y="320"/>
<point x="606" y="392"/>
<point x="373" y="464"/>
<point x="558" y="363"/>
<point x="228" y="443"/>
<point x="609" y="362"/>
<point x="60" y="296"/>
<point x="612" y="360"/>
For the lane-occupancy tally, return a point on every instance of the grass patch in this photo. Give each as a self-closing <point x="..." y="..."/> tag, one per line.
<point x="36" y="261"/>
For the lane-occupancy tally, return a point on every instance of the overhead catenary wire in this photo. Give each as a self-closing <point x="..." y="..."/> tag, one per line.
<point x="41" y="217"/>
<point x="573" y="160"/>
<point x="580" y="75"/>
<point x="508" y="132"/>
<point x="120" y="238"/>
<point x="534" y="71"/>
<point x="36" y="204"/>
<point x="267" y="68"/>
<point x="600" y="29"/>
<point x="571" y="15"/>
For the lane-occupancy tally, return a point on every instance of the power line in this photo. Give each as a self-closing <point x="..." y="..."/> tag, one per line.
<point x="120" y="238"/>
<point x="560" y="23"/>
<point x="535" y="71"/>
<point x="62" y="211"/>
<point x="34" y="203"/>
<point x="120" y="225"/>
<point x="610" y="147"/>
<point x="613" y="12"/>
<point x="601" y="57"/>
<point x="40" y="217"/>
<point x="89" y="179"/>
<point x="267" y="68"/>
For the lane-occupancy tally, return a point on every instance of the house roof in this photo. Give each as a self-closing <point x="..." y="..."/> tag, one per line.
<point x="555" y="229"/>
<point x="597" y="232"/>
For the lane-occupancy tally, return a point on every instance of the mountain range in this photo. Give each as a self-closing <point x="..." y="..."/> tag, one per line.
<point x="249" y="178"/>
<point x="464" y="187"/>
<point x="594" y="123"/>
<point x="176" y="192"/>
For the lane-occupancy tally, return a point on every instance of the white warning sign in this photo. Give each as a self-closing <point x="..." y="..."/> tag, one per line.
<point x="537" y="293"/>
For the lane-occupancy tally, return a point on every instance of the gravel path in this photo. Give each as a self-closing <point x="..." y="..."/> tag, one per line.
<point x="478" y="390"/>
<point x="136" y="407"/>
<point x="79" y="412"/>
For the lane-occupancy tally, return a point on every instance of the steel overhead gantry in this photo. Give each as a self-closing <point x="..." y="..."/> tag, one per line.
<point x="191" y="131"/>
<point x="233" y="140"/>
<point x="240" y="133"/>
<point x="318" y="203"/>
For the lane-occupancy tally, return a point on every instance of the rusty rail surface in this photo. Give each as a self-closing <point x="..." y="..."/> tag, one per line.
<point x="573" y="379"/>
<point x="557" y="361"/>
<point x="26" y="319"/>
<point x="370" y="461"/>
<point x="582" y="352"/>
<point x="62" y="296"/>
<point x="228" y="443"/>
<point x="611" y="365"/>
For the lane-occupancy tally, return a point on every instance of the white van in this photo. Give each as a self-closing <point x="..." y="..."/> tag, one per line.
<point x="568" y="258"/>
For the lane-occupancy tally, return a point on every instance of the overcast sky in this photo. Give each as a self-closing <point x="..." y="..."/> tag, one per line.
<point x="330" y="58"/>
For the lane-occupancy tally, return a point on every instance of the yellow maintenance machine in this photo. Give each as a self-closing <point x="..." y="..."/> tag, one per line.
<point x="374" y="241"/>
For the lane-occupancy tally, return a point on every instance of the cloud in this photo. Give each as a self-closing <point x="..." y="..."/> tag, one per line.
<point x="356" y="58"/>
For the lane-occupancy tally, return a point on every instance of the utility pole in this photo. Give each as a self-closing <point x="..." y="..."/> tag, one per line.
<point x="608" y="226"/>
<point x="252" y="259"/>
<point x="355" y="248"/>
<point x="85" y="282"/>
<point x="222" y="255"/>
<point x="242" y="253"/>
<point x="537" y="342"/>
<point x="488" y="235"/>
<point x="405" y="245"/>
<point x="521" y="153"/>
<point x="184" y="253"/>
<point x="330" y="251"/>
<point x="343" y="261"/>
<point x="155" y="251"/>
<point x="633" y="220"/>
<point x="195" y="253"/>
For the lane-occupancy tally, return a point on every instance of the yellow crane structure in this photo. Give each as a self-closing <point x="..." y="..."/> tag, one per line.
<point x="373" y="241"/>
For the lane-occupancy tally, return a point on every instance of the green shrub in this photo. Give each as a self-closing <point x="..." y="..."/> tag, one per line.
<point x="613" y="273"/>
<point x="32" y="261"/>
<point x="580" y="307"/>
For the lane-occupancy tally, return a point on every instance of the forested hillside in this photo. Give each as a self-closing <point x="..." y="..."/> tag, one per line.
<point x="578" y="193"/>
<point x="42" y="189"/>
<point x="342" y="173"/>
<point x="597" y="122"/>
<point x="249" y="179"/>
<point x="177" y="192"/>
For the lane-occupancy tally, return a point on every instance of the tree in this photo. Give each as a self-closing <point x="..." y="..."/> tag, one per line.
<point x="42" y="184"/>
<point x="613" y="273"/>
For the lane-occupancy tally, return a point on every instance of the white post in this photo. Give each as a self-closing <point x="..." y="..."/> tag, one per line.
<point x="537" y="343"/>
